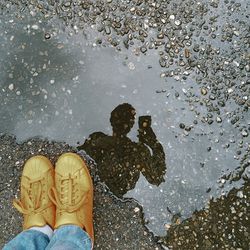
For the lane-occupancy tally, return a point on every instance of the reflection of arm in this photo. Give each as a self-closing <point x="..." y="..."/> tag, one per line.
<point x="154" y="164"/>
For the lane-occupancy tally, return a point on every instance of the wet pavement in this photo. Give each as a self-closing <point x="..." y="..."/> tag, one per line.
<point x="223" y="224"/>
<point x="183" y="66"/>
<point x="118" y="224"/>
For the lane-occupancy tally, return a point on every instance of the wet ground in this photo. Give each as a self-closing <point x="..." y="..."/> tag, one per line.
<point x="223" y="224"/>
<point x="118" y="225"/>
<point x="182" y="65"/>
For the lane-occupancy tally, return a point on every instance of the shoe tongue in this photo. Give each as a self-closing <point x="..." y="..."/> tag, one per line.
<point x="34" y="220"/>
<point x="67" y="218"/>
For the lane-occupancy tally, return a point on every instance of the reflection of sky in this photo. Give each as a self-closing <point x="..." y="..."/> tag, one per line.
<point x="64" y="90"/>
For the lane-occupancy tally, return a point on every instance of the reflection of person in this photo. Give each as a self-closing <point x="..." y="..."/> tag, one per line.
<point x="120" y="160"/>
<point x="60" y="199"/>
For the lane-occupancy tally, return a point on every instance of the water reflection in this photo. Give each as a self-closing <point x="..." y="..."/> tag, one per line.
<point x="121" y="160"/>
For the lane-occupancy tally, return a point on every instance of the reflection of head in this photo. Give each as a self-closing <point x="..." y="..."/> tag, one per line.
<point x="122" y="119"/>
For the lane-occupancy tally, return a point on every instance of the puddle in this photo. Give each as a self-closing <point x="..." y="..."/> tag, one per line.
<point x="65" y="87"/>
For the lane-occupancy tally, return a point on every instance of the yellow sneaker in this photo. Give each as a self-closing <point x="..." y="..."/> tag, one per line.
<point x="36" y="181"/>
<point x="73" y="193"/>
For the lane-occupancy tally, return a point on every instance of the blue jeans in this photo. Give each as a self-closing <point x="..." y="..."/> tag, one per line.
<point x="65" y="238"/>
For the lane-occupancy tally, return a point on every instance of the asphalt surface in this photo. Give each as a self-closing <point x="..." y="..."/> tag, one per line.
<point x="184" y="63"/>
<point x="65" y="65"/>
<point x="118" y="224"/>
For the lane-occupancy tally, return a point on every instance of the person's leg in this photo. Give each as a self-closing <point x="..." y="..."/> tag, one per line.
<point x="39" y="212"/>
<point x="70" y="237"/>
<point x="31" y="239"/>
<point x="73" y="197"/>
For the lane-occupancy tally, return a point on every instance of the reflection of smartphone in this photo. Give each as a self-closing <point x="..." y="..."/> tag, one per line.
<point x="144" y="121"/>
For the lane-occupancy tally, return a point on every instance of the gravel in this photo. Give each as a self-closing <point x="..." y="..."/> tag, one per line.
<point x="118" y="223"/>
<point x="204" y="46"/>
<point x="223" y="224"/>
